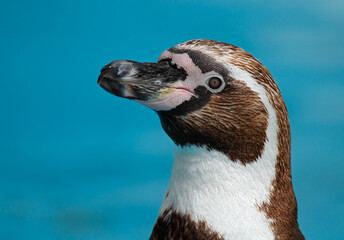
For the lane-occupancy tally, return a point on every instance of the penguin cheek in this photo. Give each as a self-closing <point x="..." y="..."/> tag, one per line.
<point x="168" y="100"/>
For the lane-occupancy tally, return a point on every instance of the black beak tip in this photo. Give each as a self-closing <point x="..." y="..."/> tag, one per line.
<point x="106" y="78"/>
<point x="100" y="78"/>
<point x="108" y="82"/>
<point x="119" y="68"/>
<point x="111" y="77"/>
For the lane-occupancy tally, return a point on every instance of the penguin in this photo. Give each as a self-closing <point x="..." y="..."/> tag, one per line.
<point x="231" y="176"/>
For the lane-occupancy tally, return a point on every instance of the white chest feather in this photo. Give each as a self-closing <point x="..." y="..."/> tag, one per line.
<point x="224" y="194"/>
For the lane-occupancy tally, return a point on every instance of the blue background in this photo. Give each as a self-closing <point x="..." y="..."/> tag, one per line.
<point x="79" y="163"/>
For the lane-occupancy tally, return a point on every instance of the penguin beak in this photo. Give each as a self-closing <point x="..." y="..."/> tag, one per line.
<point x="140" y="81"/>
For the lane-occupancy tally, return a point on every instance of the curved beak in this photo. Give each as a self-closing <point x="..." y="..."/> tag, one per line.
<point x="139" y="81"/>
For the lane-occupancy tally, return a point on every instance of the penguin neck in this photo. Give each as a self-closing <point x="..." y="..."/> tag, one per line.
<point x="220" y="198"/>
<point x="226" y="195"/>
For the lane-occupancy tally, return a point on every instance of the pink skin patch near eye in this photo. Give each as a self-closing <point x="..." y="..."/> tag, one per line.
<point x="182" y="90"/>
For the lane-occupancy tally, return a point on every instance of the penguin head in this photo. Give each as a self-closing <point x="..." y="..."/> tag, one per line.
<point x="182" y="80"/>
<point x="206" y="93"/>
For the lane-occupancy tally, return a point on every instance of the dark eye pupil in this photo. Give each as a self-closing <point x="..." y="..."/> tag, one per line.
<point x="214" y="83"/>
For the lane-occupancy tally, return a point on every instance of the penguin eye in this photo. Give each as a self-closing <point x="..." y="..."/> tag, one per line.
<point x="214" y="83"/>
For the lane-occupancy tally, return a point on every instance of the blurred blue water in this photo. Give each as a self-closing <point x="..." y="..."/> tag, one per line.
<point x="79" y="163"/>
